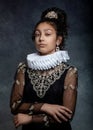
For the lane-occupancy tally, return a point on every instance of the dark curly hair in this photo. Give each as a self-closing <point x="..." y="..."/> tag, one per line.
<point x="58" y="21"/>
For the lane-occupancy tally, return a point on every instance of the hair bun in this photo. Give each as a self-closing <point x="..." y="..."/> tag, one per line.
<point x="54" y="13"/>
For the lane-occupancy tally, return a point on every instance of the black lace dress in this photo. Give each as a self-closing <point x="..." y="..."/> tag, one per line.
<point x="33" y="88"/>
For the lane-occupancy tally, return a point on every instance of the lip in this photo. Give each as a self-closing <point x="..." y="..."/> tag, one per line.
<point x="42" y="45"/>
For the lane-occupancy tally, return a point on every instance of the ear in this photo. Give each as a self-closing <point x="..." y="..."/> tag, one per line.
<point x="59" y="40"/>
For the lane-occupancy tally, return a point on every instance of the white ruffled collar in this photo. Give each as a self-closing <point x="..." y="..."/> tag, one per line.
<point x="39" y="62"/>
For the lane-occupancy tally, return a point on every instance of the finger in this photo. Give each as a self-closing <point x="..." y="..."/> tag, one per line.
<point x="66" y="109"/>
<point x="17" y="124"/>
<point x="62" y="117"/>
<point x="66" y="114"/>
<point x="57" y="119"/>
<point x="15" y="118"/>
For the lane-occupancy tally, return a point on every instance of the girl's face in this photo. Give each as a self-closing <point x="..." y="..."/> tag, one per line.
<point x="46" y="38"/>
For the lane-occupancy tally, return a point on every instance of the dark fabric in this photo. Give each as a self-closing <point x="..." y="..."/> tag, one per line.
<point x="56" y="90"/>
<point x="62" y="126"/>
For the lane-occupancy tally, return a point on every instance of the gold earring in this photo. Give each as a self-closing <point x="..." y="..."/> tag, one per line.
<point x="57" y="48"/>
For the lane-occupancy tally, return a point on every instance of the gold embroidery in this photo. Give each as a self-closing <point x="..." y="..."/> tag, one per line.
<point x="22" y="67"/>
<point x="70" y="86"/>
<point x="42" y="81"/>
<point x="46" y="120"/>
<point x="19" y="101"/>
<point x="17" y="82"/>
<point x="72" y="70"/>
<point x="31" y="109"/>
<point x="15" y="103"/>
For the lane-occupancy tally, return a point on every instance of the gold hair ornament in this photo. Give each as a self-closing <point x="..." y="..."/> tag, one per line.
<point x="51" y="14"/>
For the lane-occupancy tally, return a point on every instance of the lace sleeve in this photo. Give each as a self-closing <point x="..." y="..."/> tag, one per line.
<point x="70" y="89"/>
<point x="16" y="104"/>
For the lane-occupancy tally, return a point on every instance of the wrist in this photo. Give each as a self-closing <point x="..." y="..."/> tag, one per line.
<point x="43" y="108"/>
<point x="30" y="119"/>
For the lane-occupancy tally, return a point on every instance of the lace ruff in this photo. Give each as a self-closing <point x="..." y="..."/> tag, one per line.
<point x="38" y="62"/>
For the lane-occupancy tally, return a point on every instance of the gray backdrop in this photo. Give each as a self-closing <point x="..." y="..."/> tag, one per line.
<point x="17" y="19"/>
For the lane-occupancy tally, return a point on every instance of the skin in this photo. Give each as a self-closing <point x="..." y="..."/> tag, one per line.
<point x="46" y="40"/>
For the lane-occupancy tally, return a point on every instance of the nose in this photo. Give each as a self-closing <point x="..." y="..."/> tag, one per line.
<point x="41" y="37"/>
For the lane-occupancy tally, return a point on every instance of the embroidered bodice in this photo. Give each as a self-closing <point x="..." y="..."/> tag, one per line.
<point x="42" y="80"/>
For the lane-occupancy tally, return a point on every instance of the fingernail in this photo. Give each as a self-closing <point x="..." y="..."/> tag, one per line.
<point x="71" y="111"/>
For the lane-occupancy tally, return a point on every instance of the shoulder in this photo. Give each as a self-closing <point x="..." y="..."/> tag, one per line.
<point x="71" y="69"/>
<point x="71" y="78"/>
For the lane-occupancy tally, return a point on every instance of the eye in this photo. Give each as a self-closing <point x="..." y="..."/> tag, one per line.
<point x="47" y="34"/>
<point x="37" y="34"/>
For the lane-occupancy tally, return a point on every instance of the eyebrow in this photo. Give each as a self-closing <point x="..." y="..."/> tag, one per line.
<point x="44" y="30"/>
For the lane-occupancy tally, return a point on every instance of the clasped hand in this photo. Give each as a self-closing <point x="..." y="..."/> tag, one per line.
<point x="57" y="112"/>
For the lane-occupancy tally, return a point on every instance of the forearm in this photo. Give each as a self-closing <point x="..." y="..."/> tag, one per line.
<point x="40" y="118"/>
<point x="21" y="119"/>
<point x="69" y="99"/>
<point x="26" y="108"/>
<point x="70" y="89"/>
